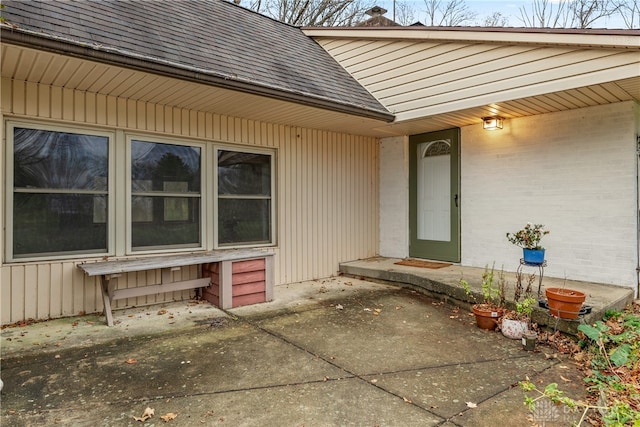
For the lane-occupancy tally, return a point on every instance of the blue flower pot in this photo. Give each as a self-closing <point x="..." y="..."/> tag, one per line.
<point x="533" y="256"/>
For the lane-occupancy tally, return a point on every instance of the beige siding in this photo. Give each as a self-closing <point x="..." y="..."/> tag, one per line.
<point x="415" y="79"/>
<point x="327" y="194"/>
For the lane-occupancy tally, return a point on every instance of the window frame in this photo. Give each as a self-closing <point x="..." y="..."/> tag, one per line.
<point x="10" y="126"/>
<point x="119" y="190"/>
<point x="203" y="146"/>
<point x="273" y="211"/>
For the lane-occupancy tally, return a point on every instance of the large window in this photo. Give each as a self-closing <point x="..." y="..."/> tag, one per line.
<point x="244" y="198"/>
<point x="60" y="193"/>
<point x="165" y="195"/>
<point x="75" y="191"/>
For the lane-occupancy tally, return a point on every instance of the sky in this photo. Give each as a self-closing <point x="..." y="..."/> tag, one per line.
<point x="484" y="8"/>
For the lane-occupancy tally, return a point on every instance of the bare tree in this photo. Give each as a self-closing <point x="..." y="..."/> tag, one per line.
<point x="585" y="12"/>
<point x="313" y="12"/>
<point x="405" y="14"/>
<point x="497" y="19"/>
<point x="566" y="13"/>
<point x="433" y="7"/>
<point x="450" y="14"/>
<point x="545" y="14"/>
<point x="629" y="10"/>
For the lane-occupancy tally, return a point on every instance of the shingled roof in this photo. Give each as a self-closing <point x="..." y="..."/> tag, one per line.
<point x="212" y="41"/>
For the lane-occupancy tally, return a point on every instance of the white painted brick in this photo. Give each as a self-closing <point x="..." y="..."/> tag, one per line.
<point x="573" y="171"/>
<point x="394" y="197"/>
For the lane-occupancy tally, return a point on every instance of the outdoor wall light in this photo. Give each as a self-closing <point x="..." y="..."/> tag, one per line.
<point x="492" y="123"/>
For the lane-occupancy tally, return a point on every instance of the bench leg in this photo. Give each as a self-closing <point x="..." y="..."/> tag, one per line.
<point x="106" y="300"/>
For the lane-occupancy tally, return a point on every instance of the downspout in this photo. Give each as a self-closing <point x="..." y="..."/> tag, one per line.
<point x="637" y="292"/>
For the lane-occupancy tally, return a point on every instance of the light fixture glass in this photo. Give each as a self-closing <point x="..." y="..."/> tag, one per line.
<point x="492" y="123"/>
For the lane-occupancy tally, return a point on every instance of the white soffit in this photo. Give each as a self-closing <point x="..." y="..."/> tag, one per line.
<point x="50" y="69"/>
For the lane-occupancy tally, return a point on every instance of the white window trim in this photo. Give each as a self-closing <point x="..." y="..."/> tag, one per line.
<point x="9" y="190"/>
<point x="244" y="149"/>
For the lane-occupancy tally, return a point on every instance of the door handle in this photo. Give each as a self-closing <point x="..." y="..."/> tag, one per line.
<point x="455" y="199"/>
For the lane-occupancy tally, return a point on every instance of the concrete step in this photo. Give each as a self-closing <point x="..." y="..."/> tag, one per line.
<point x="444" y="284"/>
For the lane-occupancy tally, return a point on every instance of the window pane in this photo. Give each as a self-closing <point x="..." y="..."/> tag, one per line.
<point x="47" y="159"/>
<point x="244" y="173"/>
<point x="244" y="221"/>
<point x="153" y="165"/>
<point x="47" y="223"/>
<point x="165" y="221"/>
<point x="163" y="218"/>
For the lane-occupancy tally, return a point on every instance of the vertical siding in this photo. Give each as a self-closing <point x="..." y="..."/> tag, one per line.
<point x="326" y="195"/>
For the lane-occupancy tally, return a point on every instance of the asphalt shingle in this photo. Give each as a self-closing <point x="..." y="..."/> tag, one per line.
<point x="214" y="36"/>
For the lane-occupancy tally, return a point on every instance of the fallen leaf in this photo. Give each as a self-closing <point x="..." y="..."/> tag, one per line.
<point x="168" y="417"/>
<point x="161" y="312"/>
<point x="566" y="380"/>
<point x="471" y="405"/>
<point x="407" y="400"/>
<point x="148" y="413"/>
<point x="131" y="361"/>
<point x="376" y="311"/>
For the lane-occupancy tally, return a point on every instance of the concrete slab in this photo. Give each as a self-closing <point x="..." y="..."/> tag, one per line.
<point x="336" y="352"/>
<point x="444" y="283"/>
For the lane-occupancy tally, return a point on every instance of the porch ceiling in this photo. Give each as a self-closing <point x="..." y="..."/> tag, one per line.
<point x="599" y="94"/>
<point x="24" y="64"/>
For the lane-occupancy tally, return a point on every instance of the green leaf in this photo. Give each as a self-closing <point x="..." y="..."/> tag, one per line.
<point x="620" y="355"/>
<point x="590" y="331"/>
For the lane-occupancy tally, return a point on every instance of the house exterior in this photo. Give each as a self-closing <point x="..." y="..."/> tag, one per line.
<point x="127" y="134"/>
<point x="567" y="156"/>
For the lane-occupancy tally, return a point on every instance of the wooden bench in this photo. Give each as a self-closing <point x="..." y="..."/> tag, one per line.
<point x="111" y="269"/>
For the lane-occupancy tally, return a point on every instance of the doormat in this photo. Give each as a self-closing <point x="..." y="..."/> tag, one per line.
<point x="422" y="263"/>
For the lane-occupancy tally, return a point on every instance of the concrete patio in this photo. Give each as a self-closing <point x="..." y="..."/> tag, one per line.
<point x="332" y="352"/>
<point x="444" y="284"/>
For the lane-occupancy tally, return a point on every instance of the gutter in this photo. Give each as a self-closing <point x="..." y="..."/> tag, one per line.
<point x="603" y="39"/>
<point x="183" y="72"/>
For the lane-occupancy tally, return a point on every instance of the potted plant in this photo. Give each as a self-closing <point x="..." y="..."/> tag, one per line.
<point x="490" y="310"/>
<point x="529" y="239"/>
<point x="564" y="303"/>
<point x="515" y="323"/>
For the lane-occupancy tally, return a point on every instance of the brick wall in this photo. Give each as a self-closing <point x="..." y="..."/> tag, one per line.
<point x="573" y="171"/>
<point x="394" y="197"/>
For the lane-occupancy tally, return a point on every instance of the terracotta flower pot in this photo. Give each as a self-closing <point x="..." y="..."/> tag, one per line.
<point x="564" y="303"/>
<point x="486" y="316"/>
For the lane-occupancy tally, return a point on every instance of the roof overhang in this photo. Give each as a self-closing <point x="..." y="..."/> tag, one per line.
<point x="19" y="38"/>
<point x="478" y="72"/>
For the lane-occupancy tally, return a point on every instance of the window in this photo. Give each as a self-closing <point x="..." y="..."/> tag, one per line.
<point x="244" y="190"/>
<point x="60" y="192"/>
<point x="65" y="199"/>
<point x="165" y="195"/>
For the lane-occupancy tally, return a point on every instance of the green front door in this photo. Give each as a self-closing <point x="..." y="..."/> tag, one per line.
<point x="434" y="195"/>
